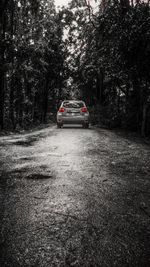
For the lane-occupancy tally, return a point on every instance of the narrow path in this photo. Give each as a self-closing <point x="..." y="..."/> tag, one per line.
<point x="74" y="197"/>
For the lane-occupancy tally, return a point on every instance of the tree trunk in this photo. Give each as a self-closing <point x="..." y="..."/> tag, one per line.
<point x="2" y="71"/>
<point x="2" y="100"/>
<point x="45" y="100"/>
<point x="12" y="86"/>
<point x="143" y="126"/>
<point x="99" y="87"/>
<point x="45" y="105"/>
<point x="11" y="108"/>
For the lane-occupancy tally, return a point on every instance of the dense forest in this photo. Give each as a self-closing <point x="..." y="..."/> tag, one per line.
<point x="101" y="56"/>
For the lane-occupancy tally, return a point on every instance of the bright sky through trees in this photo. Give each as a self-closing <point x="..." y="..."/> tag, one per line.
<point x="61" y="2"/>
<point x="65" y="2"/>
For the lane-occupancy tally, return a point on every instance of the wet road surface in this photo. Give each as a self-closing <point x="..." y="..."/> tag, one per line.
<point x="74" y="197"/>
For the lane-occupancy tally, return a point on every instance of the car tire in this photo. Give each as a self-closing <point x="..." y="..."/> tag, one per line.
<point x="59" y="125"/>
<point x="86" y="125"/>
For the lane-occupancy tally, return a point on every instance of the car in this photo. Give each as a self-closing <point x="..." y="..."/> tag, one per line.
<point x="73" y="112"/>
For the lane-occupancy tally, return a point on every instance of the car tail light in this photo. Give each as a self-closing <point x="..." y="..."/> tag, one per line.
<point x="84" y="109"/>
<point x="62" y="110"/>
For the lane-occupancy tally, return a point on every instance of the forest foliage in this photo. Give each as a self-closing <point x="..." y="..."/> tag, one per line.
<point x="100" y="56"/>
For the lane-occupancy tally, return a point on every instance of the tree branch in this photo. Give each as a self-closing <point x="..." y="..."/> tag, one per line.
<point x="91" y="14"/>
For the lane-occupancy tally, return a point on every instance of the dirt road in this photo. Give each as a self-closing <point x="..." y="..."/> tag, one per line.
<point x="74" y="197"/>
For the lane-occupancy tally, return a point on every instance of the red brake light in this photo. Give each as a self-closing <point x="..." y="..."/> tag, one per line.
<point x="61" y="110"/>
<point x="84" y="109"/>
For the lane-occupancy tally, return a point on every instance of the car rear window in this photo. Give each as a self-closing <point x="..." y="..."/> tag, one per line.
<point x="73" y="104"/>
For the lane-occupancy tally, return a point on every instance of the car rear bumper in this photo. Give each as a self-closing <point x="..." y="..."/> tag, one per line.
<point x="73" y="120"/>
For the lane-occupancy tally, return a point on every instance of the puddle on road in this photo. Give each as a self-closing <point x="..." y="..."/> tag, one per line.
<point x="38" y="176"/>
<point x="26" y="158"/>
<point x="28" y="142"/>
<point x="41" y="173"/>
